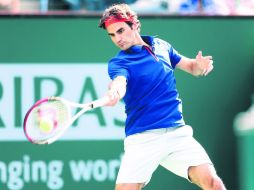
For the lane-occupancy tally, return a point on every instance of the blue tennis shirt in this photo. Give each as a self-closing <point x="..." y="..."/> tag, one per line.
<point x="151" y="99"/>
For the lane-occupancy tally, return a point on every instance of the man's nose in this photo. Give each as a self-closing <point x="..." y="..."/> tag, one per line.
<point x="118" y="38"/>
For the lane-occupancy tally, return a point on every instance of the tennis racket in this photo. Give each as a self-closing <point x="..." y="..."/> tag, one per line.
<point x="48" y="119"/>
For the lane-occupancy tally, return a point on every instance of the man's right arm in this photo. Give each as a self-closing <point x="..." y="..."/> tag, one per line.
<point x="117" y="90"/>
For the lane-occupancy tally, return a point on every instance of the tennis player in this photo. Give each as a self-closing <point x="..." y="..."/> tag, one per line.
<point x="142" y="74"/>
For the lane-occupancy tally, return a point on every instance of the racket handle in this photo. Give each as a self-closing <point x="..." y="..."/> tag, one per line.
<point x="100" y="102"/>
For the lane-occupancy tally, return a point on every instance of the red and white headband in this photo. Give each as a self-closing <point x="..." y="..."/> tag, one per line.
<point x="112" y="19"/>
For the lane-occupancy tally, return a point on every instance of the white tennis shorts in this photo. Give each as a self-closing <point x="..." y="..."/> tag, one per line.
<point x="173" y="148"/>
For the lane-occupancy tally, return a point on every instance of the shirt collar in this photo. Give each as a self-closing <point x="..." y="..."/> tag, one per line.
<point x="138" y="48"/>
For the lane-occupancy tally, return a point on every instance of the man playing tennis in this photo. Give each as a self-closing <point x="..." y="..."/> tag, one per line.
<point x="142" y="74"/>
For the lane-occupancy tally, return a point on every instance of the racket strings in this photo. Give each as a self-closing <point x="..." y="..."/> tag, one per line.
<point x="47" y="119"/>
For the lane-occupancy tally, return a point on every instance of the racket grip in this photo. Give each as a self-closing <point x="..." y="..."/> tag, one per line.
<point x="100" y="102"/>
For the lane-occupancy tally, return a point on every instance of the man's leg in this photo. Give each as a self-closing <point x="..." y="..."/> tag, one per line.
<point x="205" y="177"/>
<point x="129" y="186"/>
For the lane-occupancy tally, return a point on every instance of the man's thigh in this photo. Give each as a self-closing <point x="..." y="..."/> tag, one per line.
<point x="185" y="153"/>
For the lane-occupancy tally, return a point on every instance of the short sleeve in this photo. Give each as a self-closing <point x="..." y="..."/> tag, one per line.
<point x="174" y="56"/>
<point x="117" y="67"/>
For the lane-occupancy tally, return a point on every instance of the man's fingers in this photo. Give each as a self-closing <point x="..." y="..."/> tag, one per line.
<point x="208" y="57"/>
<point x="199" y="55"/>
<point x="208" y="70"/>
<point x="114" y="97"/>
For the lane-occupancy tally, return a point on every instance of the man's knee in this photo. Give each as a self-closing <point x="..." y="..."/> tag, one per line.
<point x="213" y="183"/>
<point x="205" y="177"/>
<point x="129" y="186"/>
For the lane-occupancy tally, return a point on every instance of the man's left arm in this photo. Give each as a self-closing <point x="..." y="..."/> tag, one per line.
<point x="200" y="66"/>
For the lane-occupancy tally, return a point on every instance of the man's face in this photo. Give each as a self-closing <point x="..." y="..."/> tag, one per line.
<point x="122" y="35"/>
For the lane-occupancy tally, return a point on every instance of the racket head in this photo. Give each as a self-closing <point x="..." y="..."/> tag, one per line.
<point x="46" y="120"/>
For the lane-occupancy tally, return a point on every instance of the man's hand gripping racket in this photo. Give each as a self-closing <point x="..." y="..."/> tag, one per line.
<point x="48" y="119"/>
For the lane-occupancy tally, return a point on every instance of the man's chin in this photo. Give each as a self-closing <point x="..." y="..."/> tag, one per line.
<point x="124" y="46"/>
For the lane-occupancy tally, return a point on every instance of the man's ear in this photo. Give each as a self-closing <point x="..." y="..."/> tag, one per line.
<point x="135" y="26"/>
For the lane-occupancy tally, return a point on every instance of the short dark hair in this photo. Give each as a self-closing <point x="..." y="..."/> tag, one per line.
<point x="119" y="11"/>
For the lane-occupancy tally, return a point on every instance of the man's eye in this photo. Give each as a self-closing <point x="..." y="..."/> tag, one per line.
<point x="121" y="31"/>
